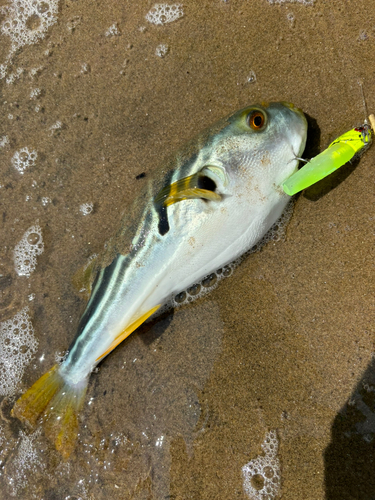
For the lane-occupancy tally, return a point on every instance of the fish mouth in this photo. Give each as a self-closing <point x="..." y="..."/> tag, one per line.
<point x="298" y="139"/>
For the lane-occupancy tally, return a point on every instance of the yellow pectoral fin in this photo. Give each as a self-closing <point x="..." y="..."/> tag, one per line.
<point x="128" y="330"/>
<point x="197" y="186"/>
<point x="191" y="194"/>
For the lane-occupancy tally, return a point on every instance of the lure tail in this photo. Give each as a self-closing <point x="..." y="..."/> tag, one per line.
<point x="56" y="404"/>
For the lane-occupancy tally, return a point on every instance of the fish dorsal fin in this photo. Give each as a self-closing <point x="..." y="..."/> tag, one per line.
<point x="84" y="278"/>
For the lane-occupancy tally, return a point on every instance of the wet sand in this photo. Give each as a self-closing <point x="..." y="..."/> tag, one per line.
<point x="285" y="343"/>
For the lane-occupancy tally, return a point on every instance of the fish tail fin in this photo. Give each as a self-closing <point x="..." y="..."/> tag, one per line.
<point x="56" y="403"/>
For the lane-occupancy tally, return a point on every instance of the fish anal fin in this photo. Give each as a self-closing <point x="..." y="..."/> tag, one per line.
<point x="54" y="403"/>
<point x="84" y="277"/>
<point x="128" y="330"/>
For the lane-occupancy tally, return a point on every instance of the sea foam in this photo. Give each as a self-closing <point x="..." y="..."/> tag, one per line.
<point x="17" y="348"/>
<point x="27" y="250"/>
<point x="261" y="476"/>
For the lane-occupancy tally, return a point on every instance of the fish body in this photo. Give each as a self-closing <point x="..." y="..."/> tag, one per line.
<point x="215" y="201"/>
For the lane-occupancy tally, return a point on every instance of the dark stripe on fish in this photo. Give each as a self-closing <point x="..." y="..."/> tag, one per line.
<point x="110" y="279"/>
<point x="99" y="290"/>
<point x="163" y="226"/>
<point x="106" y="285"/>
<point x="161" y="210"/>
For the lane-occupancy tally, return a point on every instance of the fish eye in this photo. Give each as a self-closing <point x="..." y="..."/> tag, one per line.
<point x="256" y="119"/>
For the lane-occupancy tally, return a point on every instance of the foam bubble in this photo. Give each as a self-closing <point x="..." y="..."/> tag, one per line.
<point x="27" y="250"/>
<point x="24" y="159"/>
<point x="85" y="68"/>
<point x="86" y="208"/>
<point x="199" y="289"/>
<point x="46" y="201"/>
<point x="60" y="357"/>
<point x="162" y="13"/>
<point x="17" y="347"/>
<point x="113" y="30"/>
<point x="261" y="476"/>
<point x="162" y="50"/>
<point x="56" y="127"/>
<point x="4" y="141"/>
<point x="26" y="464"/>
<point x="28" y="21"/>
<point x="35" y="71"/>
<point x="3" y="70"/>
<point x="35" y="93"/>
<point x="14" y="76"/>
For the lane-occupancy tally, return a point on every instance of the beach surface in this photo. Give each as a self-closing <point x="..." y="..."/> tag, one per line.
<point x="284" y="344"/>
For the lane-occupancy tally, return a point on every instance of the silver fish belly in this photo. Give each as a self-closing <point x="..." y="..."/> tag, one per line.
<point x="219" y="197"/>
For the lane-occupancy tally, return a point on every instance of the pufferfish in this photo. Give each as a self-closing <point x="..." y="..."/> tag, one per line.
<point x="214" y="201"/>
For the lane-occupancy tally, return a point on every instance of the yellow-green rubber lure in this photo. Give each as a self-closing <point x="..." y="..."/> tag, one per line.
<point x="339" y="152"/>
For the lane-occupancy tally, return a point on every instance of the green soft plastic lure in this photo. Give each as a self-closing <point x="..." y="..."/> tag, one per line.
<point x="339" y="152"/>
